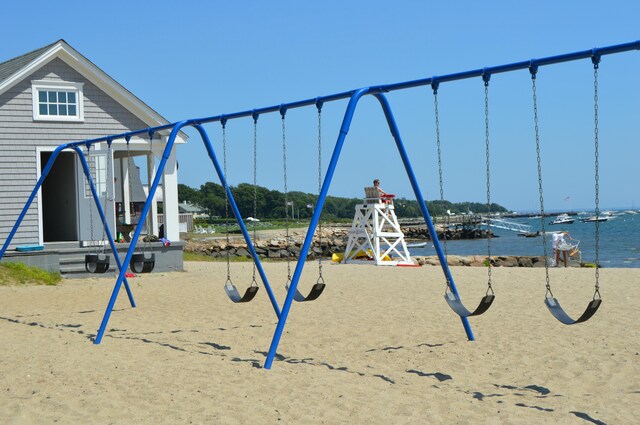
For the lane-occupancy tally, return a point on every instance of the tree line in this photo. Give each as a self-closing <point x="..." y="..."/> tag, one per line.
<point x="270" y="204"/>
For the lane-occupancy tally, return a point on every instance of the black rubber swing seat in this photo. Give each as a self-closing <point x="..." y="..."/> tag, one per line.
<point x="456" y="304"/>
<point x="141" y="263"/>
<point x="316" y="290"/>
<point x="234" y="295"/>
<point x="96" y="263"/>
<point x="554" y="307"/>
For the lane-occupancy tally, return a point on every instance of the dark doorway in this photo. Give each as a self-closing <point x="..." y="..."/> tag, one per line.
<point x="59" y="206"/>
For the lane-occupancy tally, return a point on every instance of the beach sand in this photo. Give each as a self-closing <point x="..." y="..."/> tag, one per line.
<point x="380" y="346"/>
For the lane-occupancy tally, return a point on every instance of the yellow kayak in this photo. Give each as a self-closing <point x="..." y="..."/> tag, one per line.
<point x="339" y="256"/>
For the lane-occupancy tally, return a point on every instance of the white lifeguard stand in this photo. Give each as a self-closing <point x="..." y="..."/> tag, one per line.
<point x="375" y="232"/>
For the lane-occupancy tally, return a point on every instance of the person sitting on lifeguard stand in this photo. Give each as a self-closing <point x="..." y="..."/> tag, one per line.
<point x="385" y="197"/>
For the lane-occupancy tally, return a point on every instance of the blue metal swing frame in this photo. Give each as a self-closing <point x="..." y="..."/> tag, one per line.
<point x="354" y="96"/>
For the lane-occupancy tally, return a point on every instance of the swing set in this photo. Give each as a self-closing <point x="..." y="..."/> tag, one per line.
<point x="379" y="93"/>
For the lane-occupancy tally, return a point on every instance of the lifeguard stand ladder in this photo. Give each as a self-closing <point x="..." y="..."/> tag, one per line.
<point x="375" y="232"/>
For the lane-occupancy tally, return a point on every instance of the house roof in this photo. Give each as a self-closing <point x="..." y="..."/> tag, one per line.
<point x="10" y="67"/>
<point x="15" y="70"/>
<point x="189" y="208"/>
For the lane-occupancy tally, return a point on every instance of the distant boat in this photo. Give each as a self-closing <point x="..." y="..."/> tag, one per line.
<point x="606" y="215"/>
<point x="529" y="234"/>
<point x="563" y="219"/>
<point x="417" y="245"/>
<point x="594" y="218"/>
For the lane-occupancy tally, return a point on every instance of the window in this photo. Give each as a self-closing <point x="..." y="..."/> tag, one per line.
<point x="57" y="101"/>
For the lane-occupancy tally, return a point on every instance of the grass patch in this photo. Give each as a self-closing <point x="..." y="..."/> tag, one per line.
<point x="21" y="274"/>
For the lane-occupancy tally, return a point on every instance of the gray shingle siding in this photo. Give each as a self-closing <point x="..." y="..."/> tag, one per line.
<point x="20" y="135"/>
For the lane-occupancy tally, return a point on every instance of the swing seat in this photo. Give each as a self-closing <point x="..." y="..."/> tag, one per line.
<point x="316" y="290"/>
<point x="554" y="307"/>
<point x="95" y="263"/>
<point x="234" y="295"/>
<point x="141" y="263"/>
<point x="456" y="304"/>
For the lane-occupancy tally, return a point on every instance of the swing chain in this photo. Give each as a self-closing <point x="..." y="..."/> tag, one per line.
<point x="435" y="105"/>
<point x="92" y="248"/>
<point x="130" y="183"/>
<point x="283" y="112"/>
<point x="108" y="183"/>
<point x="534" y="69"/>
<point x="434" y="86"/>
<point x="226" y="198"/>
<point x="596" y="61"/>
<point x="255" y="189"/>
<point x="147" y="219"/>
<point x="486" y="131"/>
<point x="319" y="106"/>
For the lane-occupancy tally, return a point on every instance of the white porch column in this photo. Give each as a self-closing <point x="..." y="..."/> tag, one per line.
<point x="151" y="174"/>
<point x="126" y="196"/>
<point x="170" y="198"/>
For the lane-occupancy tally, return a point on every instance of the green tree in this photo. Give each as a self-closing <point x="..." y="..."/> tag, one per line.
<point x="212" y="199"/>
<point x="188" y="194"/>
<point x="270" y="204"/>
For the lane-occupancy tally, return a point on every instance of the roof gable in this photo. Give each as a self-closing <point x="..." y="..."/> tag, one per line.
<point x="17" y="69"/>
<point x="10" y="67"/>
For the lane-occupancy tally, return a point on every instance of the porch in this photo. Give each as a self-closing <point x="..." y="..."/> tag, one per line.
<point x="68" y="258"/>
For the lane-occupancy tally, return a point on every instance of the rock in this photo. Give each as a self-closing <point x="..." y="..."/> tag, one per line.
<point x="273" y="254"/>
<point x="525" y="262"/>
<point x="505" y="262"/>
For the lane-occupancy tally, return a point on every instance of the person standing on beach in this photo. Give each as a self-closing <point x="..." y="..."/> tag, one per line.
<point x="557" y="242"/>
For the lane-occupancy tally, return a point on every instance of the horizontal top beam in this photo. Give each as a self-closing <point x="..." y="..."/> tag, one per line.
<point x="319" y="101"/>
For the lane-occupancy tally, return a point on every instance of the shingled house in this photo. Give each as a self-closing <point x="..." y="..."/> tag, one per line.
<point x="55" y="95"/>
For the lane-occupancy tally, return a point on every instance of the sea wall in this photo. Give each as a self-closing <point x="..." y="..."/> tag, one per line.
<point x="481" y="261"/>
<point x="334" y="240"/>
<point x="422" y="233"/>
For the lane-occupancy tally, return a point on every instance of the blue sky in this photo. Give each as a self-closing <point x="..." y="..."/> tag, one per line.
<point x="202" y="58"/>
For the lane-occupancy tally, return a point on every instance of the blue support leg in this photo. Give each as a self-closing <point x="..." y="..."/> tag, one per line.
<point x="112" y="243"/>
<point x="238" y="216"/>
<point x="134" y="240"/>
<point x="421" y="202"/>
<point x="317" y="211"/>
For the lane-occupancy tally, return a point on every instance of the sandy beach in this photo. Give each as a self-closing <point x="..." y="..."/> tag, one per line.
<point x="380" y="346"/>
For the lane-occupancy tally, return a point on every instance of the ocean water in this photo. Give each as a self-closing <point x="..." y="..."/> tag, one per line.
<point x="619" y="240"/>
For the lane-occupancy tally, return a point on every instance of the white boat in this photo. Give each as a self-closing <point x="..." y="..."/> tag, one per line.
<point x="604" y="216"/>
<point x="594" y="218"/>
<point x="417" y="245"/>
<point x="563" y="219"/>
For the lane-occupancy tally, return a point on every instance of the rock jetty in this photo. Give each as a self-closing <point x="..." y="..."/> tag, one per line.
<point x="334" y="240"/>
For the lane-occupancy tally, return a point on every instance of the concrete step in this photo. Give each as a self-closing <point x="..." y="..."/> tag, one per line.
<point x="79" y="271"/>
<point x="71" y="259"/>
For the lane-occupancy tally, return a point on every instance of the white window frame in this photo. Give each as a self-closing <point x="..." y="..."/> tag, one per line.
<point x="47" y="85"/>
